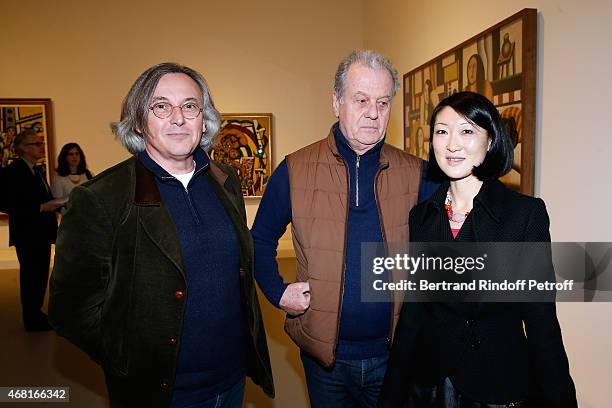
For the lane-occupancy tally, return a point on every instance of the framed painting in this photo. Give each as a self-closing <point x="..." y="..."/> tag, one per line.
<point x="499" y="63"/>
<point x="17" y="115"/>
<point x="245" y="143"/>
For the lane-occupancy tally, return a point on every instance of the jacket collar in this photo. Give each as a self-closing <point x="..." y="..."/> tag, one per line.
<point x="146" y="192"/>
<point x="28" y="163"/>
<point x="489" y="198"/>
<point x="217" y="173"/>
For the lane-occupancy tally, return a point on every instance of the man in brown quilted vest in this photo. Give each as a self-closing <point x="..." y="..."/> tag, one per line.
<point x="348" y="188"/>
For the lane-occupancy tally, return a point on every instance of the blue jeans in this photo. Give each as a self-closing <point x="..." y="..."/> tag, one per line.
<point x="231" y="398"/>
<point x="349" y="383"/>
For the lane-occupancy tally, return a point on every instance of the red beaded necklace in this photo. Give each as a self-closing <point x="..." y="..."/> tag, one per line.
<point x="448" y="206"/>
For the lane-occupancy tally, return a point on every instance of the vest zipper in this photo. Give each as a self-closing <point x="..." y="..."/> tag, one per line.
<point x="357" y="182"/>
<point x="384" y="236"/>
<point x="348" y="180"/>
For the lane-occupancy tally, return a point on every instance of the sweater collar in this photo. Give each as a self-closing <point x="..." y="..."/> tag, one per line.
<point x="202" y="162"/>
<point x="346" y="151"/>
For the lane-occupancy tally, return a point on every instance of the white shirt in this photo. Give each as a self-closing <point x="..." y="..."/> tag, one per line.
<point x="63" y="185"/>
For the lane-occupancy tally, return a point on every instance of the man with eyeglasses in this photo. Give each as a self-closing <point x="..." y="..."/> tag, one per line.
<point x="32" y="225"/>
<point x="153" y="270"/>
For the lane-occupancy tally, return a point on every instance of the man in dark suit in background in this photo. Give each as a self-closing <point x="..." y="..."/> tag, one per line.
<point x="32" y="225"/>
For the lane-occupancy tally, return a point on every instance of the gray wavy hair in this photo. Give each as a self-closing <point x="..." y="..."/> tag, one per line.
<point x="370" y="59"/>
<point x="135" y="108"/>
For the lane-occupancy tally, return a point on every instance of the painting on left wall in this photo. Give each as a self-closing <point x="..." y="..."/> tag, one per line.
<point x="17" y="115"/>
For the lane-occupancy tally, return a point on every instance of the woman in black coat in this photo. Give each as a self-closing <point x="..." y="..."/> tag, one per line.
<point x="476" y="355"/>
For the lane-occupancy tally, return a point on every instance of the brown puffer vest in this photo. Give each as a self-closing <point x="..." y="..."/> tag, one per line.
<point x="318" y="180"/>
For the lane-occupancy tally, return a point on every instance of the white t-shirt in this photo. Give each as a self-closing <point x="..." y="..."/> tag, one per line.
<point x="184" y="178"/>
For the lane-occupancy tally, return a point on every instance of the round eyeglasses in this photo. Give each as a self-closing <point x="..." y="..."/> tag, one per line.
<point x="163" y="110"/>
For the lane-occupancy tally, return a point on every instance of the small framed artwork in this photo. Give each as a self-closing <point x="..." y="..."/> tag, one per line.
<point x="499" y="63"/>
<point x="245" y="143"/>
<point x="17" y="115"/>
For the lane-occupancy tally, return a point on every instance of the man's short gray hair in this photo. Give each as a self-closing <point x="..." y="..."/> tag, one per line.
<point x="21" y="137"/>
<point x="135" y="108"/>
<point x="370" y="59"/>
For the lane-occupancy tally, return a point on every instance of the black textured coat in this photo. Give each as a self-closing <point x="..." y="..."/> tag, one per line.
<point x="482" y="347"/>
<point x="118" y="286"/>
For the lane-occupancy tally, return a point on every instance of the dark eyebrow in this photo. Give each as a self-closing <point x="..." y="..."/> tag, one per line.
<point x="159" y="98"/>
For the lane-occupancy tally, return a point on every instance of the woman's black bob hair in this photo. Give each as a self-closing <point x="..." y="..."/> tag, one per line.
<point x="478" y="110"/>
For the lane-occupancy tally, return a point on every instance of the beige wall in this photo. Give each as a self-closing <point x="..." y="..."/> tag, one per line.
<point x="573" y="156"/>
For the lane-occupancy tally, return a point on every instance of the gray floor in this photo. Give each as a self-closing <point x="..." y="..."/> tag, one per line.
<point x="44" y="359"/>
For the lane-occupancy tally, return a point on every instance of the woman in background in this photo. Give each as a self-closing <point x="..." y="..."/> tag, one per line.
<point x="71" y="170"/>
<point x="476" y="355"/>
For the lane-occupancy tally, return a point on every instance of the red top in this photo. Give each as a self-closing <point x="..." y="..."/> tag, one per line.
<point x="455" y="232"/>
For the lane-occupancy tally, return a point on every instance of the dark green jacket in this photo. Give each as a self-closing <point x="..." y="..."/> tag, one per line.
<point x="118" y="287"/>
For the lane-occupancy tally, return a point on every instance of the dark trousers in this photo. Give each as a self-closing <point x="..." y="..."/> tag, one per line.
<point x="445" y="395"/>
<point x="129" y="392"/>
<point x="145" y="392"/>
<point x="34" y="258"/>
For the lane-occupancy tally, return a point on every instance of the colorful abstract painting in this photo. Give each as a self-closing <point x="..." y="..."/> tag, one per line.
<point x="245" y="143"/>
<point x="498" y="63"/>
<point x="17" y="115"/>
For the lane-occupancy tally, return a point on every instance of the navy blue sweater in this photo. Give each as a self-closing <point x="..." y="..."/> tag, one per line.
<point x="364" y="327"/>
<point x="211" y="354"/>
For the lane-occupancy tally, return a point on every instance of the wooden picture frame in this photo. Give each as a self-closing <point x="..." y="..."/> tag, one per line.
<point x="499" y="63"/>
<point x="245" y="143"/>
<point x="18" y="114"/>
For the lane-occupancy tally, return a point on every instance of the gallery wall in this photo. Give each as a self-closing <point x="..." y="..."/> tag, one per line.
<point x="574" y="144"/>
<point x="278" y="56"/>
<point x="270" y="56"/>
<point x="267" y="56"/>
